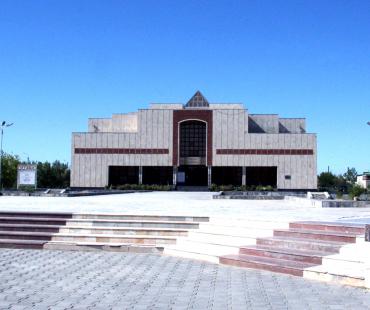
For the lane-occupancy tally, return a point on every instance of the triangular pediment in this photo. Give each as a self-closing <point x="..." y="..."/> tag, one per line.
<point x="197" y="101"/>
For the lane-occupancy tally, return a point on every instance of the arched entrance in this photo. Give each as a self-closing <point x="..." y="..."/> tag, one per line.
<point x="193" y="153"/>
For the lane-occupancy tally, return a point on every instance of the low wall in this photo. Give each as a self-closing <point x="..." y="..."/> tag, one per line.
<point x="327" y="203"/>
<point x="256" y="195"/>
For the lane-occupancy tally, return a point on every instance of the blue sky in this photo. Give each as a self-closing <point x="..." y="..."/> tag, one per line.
<point x="64" y="61"/>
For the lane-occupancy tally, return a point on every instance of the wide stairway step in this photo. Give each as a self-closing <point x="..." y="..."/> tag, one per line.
<point x="357" y="229"/>
<point x="32" y="220"/>
<point x="26" y="235"/>
<point x="200" y="250"/>
<point x="270" y="264"/>
<point x="103" y="246"/>
<point x="132" y="223"/>
<point x="312" y="257"/>
<point x="151" y="231"/>
<point x="30" y="228"/>
<point x="353" y="277"/>
<point x="137" y="217"/>
<point x="301" y="244"/>
<point x="21" y="244"/>
<point x="62" y="215"/>
<point x="316" y="235"/>
<point x="98" y="222"/>
<point x="142" y="239"/>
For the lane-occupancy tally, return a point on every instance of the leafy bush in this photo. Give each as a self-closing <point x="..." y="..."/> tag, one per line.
<point x="153" y="187"/>
<point x="27" y="188"/>
<point x="356" y="191"/>
<point x="240" y="188"/>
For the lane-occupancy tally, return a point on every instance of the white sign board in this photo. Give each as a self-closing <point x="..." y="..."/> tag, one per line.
<point x="27" y="175"/>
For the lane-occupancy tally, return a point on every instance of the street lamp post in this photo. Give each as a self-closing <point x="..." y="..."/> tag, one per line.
<point x="4" y="124"/>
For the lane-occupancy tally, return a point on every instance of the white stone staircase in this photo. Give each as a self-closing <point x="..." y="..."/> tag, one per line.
<point x="350" y="266"/>
<point x="221" y="236"/>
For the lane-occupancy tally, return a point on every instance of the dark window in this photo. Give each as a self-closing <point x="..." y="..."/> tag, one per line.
<point x="158" y="175"/>
<point x="119" y="175"/>
<point x="288" y="177"/>
<point x="192" y="139"/>
<point x="227" y="175"/>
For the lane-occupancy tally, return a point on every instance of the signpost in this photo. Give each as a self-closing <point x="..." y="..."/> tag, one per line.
<point x="27" y="175"/>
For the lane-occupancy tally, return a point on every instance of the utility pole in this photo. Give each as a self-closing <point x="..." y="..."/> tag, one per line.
<point x="4" y="124"/>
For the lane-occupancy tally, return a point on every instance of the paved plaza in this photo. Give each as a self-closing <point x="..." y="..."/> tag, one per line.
<point x="184" y="203"/>
<point x="34" y="279"/>
<point x="40" y="279"/>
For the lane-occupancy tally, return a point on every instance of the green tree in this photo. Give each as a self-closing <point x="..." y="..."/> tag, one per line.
<point x="327" y="180"/>
<point x="351" y="175"/>
<point x="9" y="170"/>
<point x="55" y="175"/>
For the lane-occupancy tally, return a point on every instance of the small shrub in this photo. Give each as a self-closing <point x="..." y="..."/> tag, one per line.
<point x="339" y="194"/>
<point x="27" y="188"/>
<point x="356" y="191"/>
<point x="147" y="187"/>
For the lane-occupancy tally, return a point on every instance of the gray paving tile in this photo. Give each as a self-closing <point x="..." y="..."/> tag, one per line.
<point x="81" y="280"/>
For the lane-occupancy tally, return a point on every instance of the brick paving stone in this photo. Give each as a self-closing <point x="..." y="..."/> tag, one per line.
<point x="106" y="280"/>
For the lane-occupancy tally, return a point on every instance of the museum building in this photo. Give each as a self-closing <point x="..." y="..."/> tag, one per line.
<point x="195" y="144"/>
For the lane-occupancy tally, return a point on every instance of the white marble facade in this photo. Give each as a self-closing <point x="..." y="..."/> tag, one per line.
<point x="151" y="132"/>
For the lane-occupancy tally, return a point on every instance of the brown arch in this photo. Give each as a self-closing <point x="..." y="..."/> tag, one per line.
<point x="182" y="115"/>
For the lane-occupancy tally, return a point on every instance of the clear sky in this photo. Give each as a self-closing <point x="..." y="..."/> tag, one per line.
<point x="62" y="62"/>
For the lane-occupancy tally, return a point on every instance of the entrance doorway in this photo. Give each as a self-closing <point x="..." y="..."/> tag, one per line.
<point x="193" y="151"/>
<point x="192" y="176"/>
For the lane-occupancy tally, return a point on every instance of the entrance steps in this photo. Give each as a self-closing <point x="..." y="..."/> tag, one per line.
<point x="315" y="250"/>
<point x="220" y="237"/>
<point x="108" y="231"/>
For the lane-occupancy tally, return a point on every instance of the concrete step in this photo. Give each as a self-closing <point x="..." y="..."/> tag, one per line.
<point x="300" y="244"/>
<point x="123" y="231"/>
<point x="138" y="217"/>
<point x="34" y="214"/>
<point x="206" y="237"/>
<point x="358" y="250"/>
<point x="270" y="264"/>
<point x="88" y="237"/>
<point x="132" y="223"/>
<point x="101" y="246"/>
<point x="316" y="235"/>
<point x="191" y="254"/>
<point x="25" y="235"/>
<point x="329" y="226"/>
<point x="199" y="250"/>
<point x="21" y="244"/>
<point x="344" y="277"/>
<point x="235" y="230"/>
<point x="312" y="257"/>
<point x="97" y="222"/>
<point x="33" y="220"/>
<point x="246" y="223"/>
<point x="141" y="239"/>
<point x="30" y="228"/>
<point x="336" y="263"/>
<point x="94" y="230"/>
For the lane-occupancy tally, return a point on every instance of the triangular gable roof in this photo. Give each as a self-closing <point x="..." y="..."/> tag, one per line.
<point x="197" y="101"/>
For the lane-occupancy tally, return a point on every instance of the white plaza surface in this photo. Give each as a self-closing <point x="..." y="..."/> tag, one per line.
<point x="185" y="203"/>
